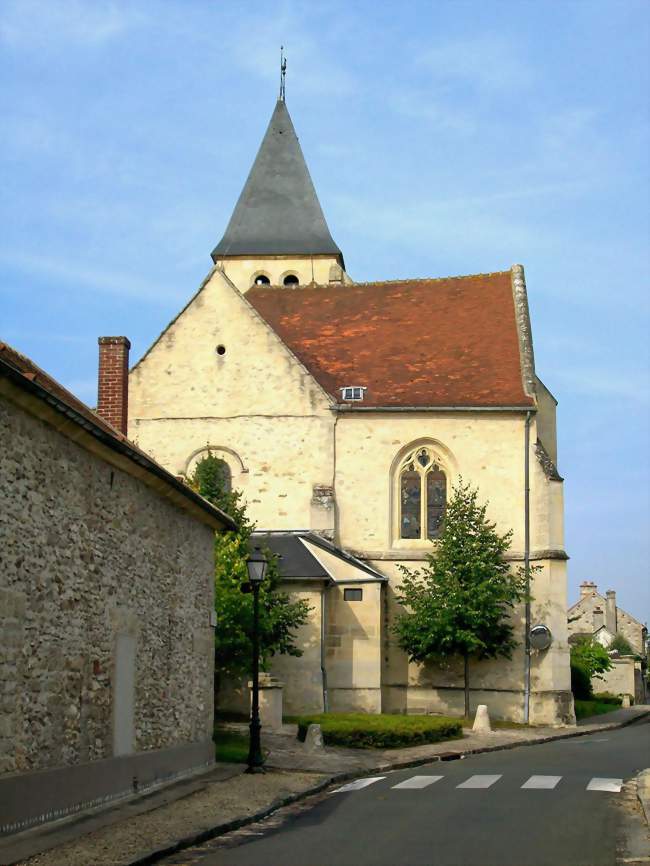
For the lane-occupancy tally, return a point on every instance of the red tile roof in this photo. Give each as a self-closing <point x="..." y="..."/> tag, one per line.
<point x="443" y="342"/>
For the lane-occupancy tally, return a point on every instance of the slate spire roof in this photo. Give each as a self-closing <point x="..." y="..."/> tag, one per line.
<point x="278" y="212"/>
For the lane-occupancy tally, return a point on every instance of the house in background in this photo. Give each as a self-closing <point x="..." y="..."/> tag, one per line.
<point x="106" y="603"/>
<point x="349" y="410"/>
<point x="598" y="616"/>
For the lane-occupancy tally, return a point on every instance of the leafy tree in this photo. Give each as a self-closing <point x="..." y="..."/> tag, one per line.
<point x="591" y="656"/>
<point x="279" y="615"/>
<point x="458" y="604"/>
<point x="622" y="645"/>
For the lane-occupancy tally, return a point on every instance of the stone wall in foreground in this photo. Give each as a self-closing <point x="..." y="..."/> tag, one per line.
<point x="106" y="590"/>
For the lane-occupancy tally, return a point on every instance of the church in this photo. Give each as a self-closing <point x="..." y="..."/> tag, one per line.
<point x="344" y="412"/>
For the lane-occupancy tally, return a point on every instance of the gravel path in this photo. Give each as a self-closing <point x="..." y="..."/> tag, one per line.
<point x="120" y="844"/>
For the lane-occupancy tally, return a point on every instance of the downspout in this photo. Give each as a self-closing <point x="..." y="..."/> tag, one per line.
<point x="323" y="621"/>
<point x="527" y="563"/>
<point x="323" y="672"/>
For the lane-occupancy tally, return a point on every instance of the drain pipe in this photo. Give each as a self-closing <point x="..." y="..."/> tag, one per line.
<point x="323" y="672"/>
<point x="527" y="563"/>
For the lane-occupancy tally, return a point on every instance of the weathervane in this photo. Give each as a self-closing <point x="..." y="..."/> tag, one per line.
<point x="283" y="71"/>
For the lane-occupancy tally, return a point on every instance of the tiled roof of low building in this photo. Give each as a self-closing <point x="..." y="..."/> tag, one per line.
<point x="429" y="342"/>
<point x="28" y="376"/>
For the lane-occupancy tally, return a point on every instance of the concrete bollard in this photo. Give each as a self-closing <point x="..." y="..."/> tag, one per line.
<point x="482" y="721"/>
<point x="626" y="701"/>
<point x="314" y="739"/>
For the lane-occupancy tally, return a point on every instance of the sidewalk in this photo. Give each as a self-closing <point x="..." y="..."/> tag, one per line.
<point x="139" y="832"/>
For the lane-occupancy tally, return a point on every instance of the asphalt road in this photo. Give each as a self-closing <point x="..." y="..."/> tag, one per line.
<point x="554" y="821"/>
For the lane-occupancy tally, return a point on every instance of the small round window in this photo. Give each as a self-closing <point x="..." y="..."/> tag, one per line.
<point x="290" y="280"/>
<point x="262" y="280"/>
<point x="221" y="349"/>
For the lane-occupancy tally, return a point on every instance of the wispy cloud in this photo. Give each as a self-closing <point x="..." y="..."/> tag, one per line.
<point x="486" y="62"/>
<point x="619" y="385"/>
<point x="36" y="23"/>
<point x="422" y="105"/>
<point x="84" y="275"/>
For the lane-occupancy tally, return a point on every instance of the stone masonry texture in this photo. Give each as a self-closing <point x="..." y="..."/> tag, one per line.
<point x="89" y="552"/>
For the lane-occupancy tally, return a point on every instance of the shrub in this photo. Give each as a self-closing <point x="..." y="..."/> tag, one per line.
<point x="608" y="698"/>
<point x="622" y="645"/>
<point x="580" y="683"/>
<point x="367" y="731"/>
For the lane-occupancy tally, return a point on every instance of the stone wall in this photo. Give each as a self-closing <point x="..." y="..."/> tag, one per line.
<point x="93" y="559"/>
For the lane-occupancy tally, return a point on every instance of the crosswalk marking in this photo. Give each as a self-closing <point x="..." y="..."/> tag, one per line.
<point x="612" y="785"/>
<point x="479" y="782"/>
<point x="419" y="782"/>
<point x="359" y="783"/>
<point x="542" y="782"/>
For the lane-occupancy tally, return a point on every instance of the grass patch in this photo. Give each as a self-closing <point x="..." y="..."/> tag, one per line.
<point x="375" y="731"/>
<point x="496" y="724"/>
<point x="230" y="746"/>
<point x="584" y="709"/>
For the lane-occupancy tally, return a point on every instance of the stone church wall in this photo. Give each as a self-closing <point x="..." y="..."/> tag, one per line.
<point x="254" y="401"/>
<point x="487" y="450"/>
<point x="107" y="651"/>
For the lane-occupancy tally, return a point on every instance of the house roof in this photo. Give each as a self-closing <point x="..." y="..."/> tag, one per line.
<point x="278" y="212"/>
<point x="27" y="376"/>
<point x="298" y="562"/>
<point x="431" y="342"/>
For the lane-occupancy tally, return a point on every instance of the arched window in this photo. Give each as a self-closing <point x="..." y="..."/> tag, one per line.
<point x="213" y="472"/>
<point x="422" y="495"/>
<point x="261" y="280"/>
<point x="291" y="280"/>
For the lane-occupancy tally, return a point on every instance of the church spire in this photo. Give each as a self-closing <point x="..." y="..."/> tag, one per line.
<point x="278" y="212"/>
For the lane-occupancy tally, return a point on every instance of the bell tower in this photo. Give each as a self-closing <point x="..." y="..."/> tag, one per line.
<point x="277" y="234"/>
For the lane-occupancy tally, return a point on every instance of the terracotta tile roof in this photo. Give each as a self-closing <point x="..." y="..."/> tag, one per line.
<point x="24" y="371"/>
<point x="442" y="342"/>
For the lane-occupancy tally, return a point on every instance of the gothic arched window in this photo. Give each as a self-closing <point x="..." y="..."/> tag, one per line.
<point x="422" y="495"/>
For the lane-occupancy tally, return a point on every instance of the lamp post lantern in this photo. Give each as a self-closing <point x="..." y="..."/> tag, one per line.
<point x="256" y="565"/>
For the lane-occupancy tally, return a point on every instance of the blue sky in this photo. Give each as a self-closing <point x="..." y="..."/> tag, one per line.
<point x="442" y="137"/>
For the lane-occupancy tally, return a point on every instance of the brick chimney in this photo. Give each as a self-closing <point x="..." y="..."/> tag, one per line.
<point x="113" y="385"/>
<point x="610" y="611"/>
<point x="587" y="587"/>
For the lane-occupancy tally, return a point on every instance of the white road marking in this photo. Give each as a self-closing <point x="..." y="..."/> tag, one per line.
<point x="612" y="785"/>
<point x="542" y="782"/>
<point x="359" y="783"/>
<point x="419" y="782"/>
<point x="479" y="782"/>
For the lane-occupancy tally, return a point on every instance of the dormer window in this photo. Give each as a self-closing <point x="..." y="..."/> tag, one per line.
<point x="352" y="392"/>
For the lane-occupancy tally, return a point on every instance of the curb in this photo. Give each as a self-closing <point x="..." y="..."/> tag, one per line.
<point x="336" y="778"/>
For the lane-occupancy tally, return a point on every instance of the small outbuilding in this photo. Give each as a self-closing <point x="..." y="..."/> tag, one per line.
<point x="106" y="608"/>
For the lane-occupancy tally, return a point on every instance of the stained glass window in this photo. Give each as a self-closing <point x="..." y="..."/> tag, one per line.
<point x="436" y="501"/>
<point x="411" y="495"/>
<point x="423" y="495"/>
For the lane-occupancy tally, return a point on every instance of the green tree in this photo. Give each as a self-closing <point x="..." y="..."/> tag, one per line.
<point x="591" y="657"/>
<point x="458" y="604"/>
<point x="280" y="616"/>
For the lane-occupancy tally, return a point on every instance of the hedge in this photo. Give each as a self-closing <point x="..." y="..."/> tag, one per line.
<point x="608" y="698"/>
<point x="580" y="683"/>
<point x="367" y="730"/>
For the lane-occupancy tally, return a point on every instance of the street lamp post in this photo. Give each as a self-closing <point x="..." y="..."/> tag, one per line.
<point x="256" y="565"/>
